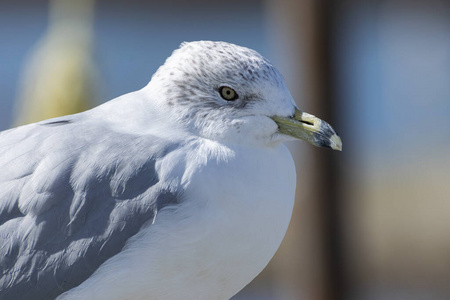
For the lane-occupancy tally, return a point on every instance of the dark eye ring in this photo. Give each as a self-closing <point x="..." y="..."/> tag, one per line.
<point x="228" y="93"/>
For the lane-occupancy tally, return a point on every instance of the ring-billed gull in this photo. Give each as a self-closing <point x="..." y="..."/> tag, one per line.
<point x="181" y="190"/>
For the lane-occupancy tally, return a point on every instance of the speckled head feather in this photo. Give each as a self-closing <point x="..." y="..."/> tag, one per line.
<point x="190" y="80"/>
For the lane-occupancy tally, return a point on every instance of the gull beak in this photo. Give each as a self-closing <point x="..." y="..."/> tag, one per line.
<point x="309" y="128"/>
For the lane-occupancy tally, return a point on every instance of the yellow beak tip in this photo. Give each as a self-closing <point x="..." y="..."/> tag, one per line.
<point x="336" y="143"/>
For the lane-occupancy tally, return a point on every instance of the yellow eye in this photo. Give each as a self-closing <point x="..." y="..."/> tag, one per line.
<point x="228" y="93"/>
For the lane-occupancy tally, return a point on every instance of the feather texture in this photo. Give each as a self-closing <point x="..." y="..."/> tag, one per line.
<point x="63" y="210"/>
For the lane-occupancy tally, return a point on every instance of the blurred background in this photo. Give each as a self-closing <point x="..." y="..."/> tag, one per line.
<point x="370" y="223"/>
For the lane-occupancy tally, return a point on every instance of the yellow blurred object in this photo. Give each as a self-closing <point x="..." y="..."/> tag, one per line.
<point x="59" y="75"/>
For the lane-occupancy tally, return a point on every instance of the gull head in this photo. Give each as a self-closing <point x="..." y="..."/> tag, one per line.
<point x="230" y="93"/>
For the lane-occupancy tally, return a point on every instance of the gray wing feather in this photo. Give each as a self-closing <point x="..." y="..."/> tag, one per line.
<point x="71" y="195"/>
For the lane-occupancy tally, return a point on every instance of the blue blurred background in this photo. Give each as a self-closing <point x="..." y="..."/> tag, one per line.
<point x="379" y="71"/>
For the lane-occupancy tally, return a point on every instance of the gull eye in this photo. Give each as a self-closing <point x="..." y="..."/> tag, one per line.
<point x="228" y="93"/>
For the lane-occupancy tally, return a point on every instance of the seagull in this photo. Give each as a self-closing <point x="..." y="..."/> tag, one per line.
<point x="181" y="190"/>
